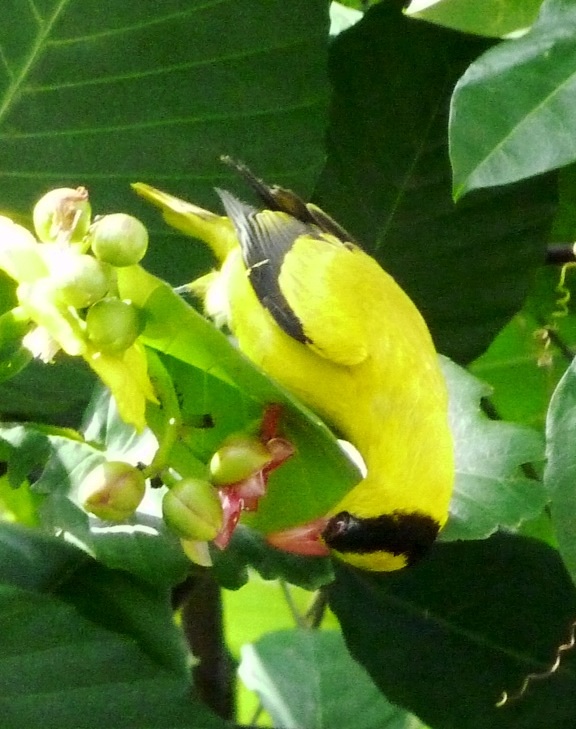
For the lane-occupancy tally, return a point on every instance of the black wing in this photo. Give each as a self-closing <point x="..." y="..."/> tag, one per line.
<point x="265" y="238"/>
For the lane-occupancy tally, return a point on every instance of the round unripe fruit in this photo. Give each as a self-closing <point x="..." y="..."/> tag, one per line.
<point x="81" y="280"/>
<point x="62" y="215"/>
<point x="239" y="457"/>
<point x="192" y="509"/>
<point x="119" y="239"/>
<point x="113" y="325"/>
<point x="113" y="490"/>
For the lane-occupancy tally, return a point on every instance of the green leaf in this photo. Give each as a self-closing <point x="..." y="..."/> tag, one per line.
<point x="55" y="393"/>
<point x="19" y="505"/>
<point x="564" y="228"/>
<point x="103" y="648"/>
<point x="307" y="680"/>
<point x="528" y="357"/>
<point x="261" y="607"/>
<point x="104" y="426"/>
<point x="388" y="180"/>
<point x="446" y="637"/>
<point x="344" y="14"/>
<point x="491" y="17"/>
<point x="522" y="92"/>
<point x="103" y="93"/>
<point x="490" y="490"/>
<point x="560" y="468"/>
<point x="248" y="549"/>
<point x="142" y="546"/>
<point x="521" y="370"/>
<point x="35" y="562"/>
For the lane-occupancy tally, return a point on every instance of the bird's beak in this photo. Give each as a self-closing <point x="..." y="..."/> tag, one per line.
<point x="305" y="539"/>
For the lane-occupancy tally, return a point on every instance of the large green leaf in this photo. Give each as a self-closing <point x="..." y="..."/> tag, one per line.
<point x="447" y="637"/>
<point x="102" y="93"/>
<point x="560" y="471"/>
<point x="512" y="106"/>
<point x="84" y="646"/>
<point x="490" y="17"/>
<point x="388" y="180"/>
<point x="307" y="680"/>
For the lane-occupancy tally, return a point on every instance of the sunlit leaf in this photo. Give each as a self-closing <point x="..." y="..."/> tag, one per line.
<point x="512" y="108"/>
<point x="102" y="93"/>
<point x="127" y="377"/>
<point x="294" y="672"/>
<point x="560" y="471"/>
<point x="490" y="17"/>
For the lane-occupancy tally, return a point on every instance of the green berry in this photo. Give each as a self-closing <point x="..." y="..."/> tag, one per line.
<point x="113" y="325"/>
<point x="192" y="509"/>
<point x="119" y="239"/>
<point x="62" y="215"/>
<point x="80" y="279"/>
<point x="239" y="457"/>
<point x="113" y="491"/>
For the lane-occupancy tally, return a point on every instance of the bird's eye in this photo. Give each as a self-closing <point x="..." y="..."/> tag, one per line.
<point x="337" y="527"/>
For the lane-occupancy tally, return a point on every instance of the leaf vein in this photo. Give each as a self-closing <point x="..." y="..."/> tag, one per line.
<point x="123" y="30"/>
<point x="305" y="104"/>
<point x="40" y="41"/>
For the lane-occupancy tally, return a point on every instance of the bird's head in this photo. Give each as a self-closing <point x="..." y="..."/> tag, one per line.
<point x="386" y="542"/>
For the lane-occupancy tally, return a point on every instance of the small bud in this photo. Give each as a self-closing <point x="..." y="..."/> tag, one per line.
<point x="112" y="325"/>
<point x="119" y="239"/>
<point x="113" y="491"/>
<point x="192" y="509"/>
<point x="238" y="458"/>
<point x="62" y="215"/>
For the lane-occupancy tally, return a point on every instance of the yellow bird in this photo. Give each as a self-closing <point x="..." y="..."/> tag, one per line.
<point x="320" y="316"/>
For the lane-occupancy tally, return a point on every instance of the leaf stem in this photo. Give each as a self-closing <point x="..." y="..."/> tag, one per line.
<point x="299" y="619"/>
<point x="173" y="417"/>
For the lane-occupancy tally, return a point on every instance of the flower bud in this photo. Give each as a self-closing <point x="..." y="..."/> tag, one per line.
<point x="113" y="490"/>
<point x="119" y="239"/>
<point x="238" y="458"/>
<point x="112" y="325"/>
<point x="62" y="215"/>
<point x="192" y="509"/>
